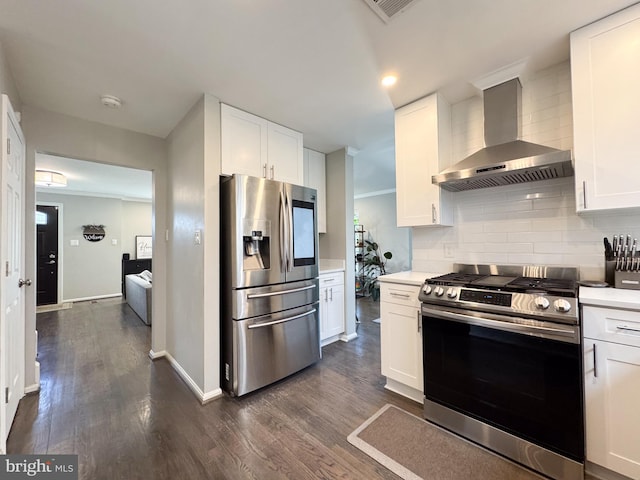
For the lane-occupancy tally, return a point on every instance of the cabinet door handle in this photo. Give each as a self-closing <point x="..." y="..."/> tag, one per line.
<point x="331" y="296"/>
<point x="272" y="172"/>
<point x="584" y="194"/>
<point x="264" y="170"/>
<point x="326" y="295"/>
<point x="595" y="368"/>
<point x="433" y="213"/>
<point x="627" y="329"/>
<point x="403" y="295"/>
<point x="419" y="322"/>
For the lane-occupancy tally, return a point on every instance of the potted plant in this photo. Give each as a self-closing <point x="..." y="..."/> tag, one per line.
<point x="374" y="266"/>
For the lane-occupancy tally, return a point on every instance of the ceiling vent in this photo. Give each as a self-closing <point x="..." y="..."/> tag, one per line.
<point x="387" y="9"/>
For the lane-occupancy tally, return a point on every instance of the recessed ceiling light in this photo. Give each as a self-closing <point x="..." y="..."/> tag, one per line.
<point x="111" y="101"/>
<point x="389" y="80"/>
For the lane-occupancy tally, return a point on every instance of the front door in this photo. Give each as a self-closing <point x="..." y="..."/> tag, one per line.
<point x="47" y="254"/>
<point x="12" y="314"/>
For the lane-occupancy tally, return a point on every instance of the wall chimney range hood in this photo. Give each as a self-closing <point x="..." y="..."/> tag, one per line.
<point x="505" y="160"/>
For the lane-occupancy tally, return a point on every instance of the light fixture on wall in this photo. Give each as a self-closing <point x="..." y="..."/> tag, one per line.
<point x="47" y="178"/>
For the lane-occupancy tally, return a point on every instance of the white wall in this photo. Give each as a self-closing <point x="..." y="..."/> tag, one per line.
<point x="94" y="269"/>
<point x="7" y="85"/>
<point x="378" y="215"/>
<point x="532" y="223"/>
<point x="337" y="243"/>
<point x="69" y="136"/>
<point x="194" y="169"/>
<point x="185" y="259"/>
<point x="137" y="219"/>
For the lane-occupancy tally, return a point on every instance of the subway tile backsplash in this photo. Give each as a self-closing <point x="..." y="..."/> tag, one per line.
<point x="530" y="223"/>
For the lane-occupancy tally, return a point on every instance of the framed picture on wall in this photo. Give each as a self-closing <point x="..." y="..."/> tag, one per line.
<point x="143" y="246"/>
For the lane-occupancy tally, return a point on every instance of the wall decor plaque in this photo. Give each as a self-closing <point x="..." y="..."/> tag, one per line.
<point x="93" y="233"/>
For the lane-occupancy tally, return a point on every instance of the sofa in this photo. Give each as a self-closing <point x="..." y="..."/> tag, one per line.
<point x="138" y="294"/>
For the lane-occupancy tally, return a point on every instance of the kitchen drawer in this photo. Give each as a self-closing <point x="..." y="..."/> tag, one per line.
<point x="330" y="279"/>
<point x="611" y="325"/>
<point x="399" y="294"/>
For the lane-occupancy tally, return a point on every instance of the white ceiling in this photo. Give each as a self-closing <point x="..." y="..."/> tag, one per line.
<point x="313" y="66"/>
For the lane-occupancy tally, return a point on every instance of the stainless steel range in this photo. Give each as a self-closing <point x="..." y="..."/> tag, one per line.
<point x="503" y="362"/>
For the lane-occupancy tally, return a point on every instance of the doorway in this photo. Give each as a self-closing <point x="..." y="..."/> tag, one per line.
<point x="47" y="254"/>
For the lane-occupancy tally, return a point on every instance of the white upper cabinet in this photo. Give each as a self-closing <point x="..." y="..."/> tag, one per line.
<point x="254" y="146"/>
<point x="423" y="149"/>
<point x="244" y="142"/>
<point x="605" y="75"/>
<point x="315" y="177"/>
<point x="285" y="154"/>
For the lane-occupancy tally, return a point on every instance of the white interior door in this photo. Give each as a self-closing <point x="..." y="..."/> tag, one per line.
<point x="12" y="314"/>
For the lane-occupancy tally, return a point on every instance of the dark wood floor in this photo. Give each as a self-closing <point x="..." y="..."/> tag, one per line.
<point x="128" y="417"/>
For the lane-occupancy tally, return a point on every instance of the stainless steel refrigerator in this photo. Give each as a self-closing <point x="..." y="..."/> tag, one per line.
<point x="270" y="325"/>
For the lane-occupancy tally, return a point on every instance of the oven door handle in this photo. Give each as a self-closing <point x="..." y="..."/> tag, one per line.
<point x="569" y="334"/>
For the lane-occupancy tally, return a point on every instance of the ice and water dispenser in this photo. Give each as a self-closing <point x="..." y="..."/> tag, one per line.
<point x="256" y="251"/>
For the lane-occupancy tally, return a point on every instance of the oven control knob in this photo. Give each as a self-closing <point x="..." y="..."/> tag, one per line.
<point x="426" y="289"/>
<point x="541" y="303"/>
<point x="452" y="293"/>
<point x="561" y="305"/>
<point x="439" y="291"/>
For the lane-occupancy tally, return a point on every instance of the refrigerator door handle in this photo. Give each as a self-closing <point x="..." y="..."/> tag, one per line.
<point x="288" y="319"/>
<point x="290" y="236"/>
<point x="283" y="292"/>
<point x="283" y="233"/>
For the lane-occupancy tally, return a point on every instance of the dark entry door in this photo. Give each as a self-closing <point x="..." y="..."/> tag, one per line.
<point x="47" y="253"/>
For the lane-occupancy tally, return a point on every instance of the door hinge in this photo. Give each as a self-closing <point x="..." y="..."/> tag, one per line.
<point x="8" y="146"/>
<point x="6" y="271"/>
<point x="6" y="395"/>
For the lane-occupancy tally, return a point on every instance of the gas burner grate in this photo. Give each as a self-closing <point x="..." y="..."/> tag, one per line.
<point x="548" y="285"/>
<point x="456" y="279"/>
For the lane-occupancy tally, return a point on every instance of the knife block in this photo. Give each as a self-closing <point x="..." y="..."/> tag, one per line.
<point x="628" y="280"/>
<point x="610" y="272"/>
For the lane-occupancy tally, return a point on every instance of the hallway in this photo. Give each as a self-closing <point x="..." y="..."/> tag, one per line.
<point x="128" y="417"/>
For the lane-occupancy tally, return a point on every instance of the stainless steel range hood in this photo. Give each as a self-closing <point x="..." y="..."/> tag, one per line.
<point x="505" y="160"/>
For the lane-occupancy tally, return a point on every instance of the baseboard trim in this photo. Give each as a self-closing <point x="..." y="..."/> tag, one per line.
<point x="347" y="338"/>
<point x="96" y="297"/>
<point x="193" y="386"/>
<point x="34" y="387"/>
<point x="156" y="355"/>
<point x="404" y="390"/>
<point x="599" y="472"/>
<point x="329" y="340"/>
<point x="212" y="395"/>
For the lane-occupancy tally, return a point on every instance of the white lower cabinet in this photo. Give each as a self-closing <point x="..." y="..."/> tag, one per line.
<point x="331" y="307"/>
<point x="401" y="339"/>
<point x="612" y="389"/>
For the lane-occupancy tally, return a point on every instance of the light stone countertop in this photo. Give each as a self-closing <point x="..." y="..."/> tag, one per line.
<point x="610" y="297"/>
<point x="328" y="265"/>
<point x="407" y="278"/>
